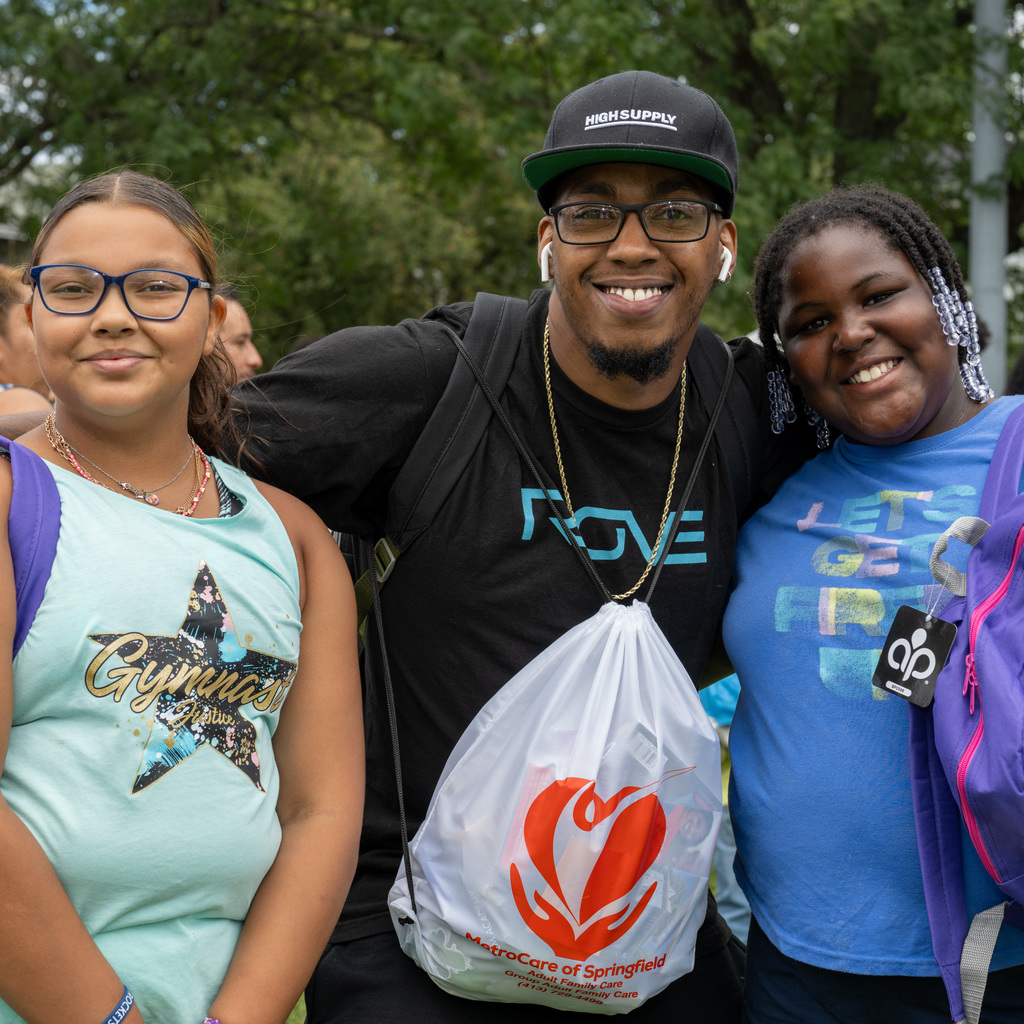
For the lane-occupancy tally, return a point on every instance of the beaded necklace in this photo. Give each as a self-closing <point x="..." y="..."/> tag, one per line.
<point x="197" y="456"/>
<point x="149" y="497"/>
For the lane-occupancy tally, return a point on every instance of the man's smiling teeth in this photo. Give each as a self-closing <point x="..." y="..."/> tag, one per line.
<point x="635" y="294"/>
<point x="872" y="372"/>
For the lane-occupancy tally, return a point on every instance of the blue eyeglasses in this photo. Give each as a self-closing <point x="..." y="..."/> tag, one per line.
<point x="150" y="294"/>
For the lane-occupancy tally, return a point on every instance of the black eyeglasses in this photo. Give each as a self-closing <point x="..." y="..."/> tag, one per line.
<point x="149" y="294"/>
<point x="664" y="220"/>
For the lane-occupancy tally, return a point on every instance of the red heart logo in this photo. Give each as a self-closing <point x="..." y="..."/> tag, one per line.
<point x="588" y="874"/>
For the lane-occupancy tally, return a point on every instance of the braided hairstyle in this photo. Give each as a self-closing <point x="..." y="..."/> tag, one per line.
<point x="901" y="222"/>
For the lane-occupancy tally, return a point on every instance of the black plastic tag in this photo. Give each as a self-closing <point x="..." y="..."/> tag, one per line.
<point x="914" y="654"/>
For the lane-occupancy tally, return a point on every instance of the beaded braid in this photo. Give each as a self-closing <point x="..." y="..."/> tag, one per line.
<point x="908" y="230"/>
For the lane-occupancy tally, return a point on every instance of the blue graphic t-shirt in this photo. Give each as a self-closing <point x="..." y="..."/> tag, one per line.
<point x="820" y="794"/>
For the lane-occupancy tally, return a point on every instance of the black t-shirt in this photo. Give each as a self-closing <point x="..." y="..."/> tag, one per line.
<point x="492" y="581"/>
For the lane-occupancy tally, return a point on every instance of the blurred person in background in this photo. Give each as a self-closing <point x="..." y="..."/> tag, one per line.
<point x="236" y="334"/>
<point x="719" y="701"/>
<point x="22" y="388"/>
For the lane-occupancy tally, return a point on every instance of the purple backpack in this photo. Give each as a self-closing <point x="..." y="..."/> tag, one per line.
<point x="32" y="528"/>
<point x="967" y="749"/>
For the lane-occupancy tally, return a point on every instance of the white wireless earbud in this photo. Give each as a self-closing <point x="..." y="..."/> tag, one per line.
<point x="545" y="263"/>
<point x="726" y="258"/>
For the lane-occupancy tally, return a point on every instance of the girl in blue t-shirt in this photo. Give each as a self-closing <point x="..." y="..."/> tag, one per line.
<point x="181" y="793"/>
<point x="857" y="301"/>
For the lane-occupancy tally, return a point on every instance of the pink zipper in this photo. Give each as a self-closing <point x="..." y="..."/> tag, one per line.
<point x="971" y="683"/>
<point x="969" y="820"/>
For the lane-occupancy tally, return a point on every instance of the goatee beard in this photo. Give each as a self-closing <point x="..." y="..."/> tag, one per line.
<point x="640" y="365"/>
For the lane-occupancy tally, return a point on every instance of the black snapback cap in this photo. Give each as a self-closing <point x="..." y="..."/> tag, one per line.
<point x="637" y="117"/>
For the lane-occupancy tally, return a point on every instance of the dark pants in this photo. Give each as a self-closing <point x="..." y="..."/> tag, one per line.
<point x="371" y="981"/>
<point x="780" y="990"/>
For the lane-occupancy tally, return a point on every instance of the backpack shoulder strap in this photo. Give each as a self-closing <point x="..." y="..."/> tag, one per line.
<point x="1002" y="482"/>
<point x="448" y="441"/>
<point x="33" y="526"/>
<point x="459" y="420"/>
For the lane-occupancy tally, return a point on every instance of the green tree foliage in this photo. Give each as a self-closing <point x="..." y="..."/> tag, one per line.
<point x="361" y="161"/>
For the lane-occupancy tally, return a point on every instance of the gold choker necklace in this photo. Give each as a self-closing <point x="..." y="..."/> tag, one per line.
<point x="561" y="469"/>
<point x="196" y="456"/>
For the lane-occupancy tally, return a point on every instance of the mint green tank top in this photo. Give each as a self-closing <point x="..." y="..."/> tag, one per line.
<point x="145" y="700"/>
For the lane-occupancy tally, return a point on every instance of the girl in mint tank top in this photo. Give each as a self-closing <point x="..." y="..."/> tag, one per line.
<point x="181" y="785"/>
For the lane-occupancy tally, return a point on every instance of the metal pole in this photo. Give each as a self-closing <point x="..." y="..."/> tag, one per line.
<point x="989" y="210"/>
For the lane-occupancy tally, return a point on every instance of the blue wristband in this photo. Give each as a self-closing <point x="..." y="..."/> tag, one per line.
<point x="122" y="1008"/>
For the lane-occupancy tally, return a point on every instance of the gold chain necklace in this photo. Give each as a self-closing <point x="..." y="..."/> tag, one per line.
<point x="197" y="456"/>
<point x="561" y="469"/>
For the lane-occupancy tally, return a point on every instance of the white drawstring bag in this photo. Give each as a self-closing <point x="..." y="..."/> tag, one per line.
<point x="565" y="854"/>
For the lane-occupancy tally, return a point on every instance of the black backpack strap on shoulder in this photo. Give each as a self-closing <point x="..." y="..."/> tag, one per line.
<point x="431" y="470"/>
<point x="459" y="420"/>
<point x="448" y="441"/>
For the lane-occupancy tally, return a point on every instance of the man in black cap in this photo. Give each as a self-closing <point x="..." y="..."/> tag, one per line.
<point x="637" y="181"/>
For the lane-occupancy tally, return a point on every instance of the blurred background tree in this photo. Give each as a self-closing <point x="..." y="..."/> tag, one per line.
<point x="360" y="161"/>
